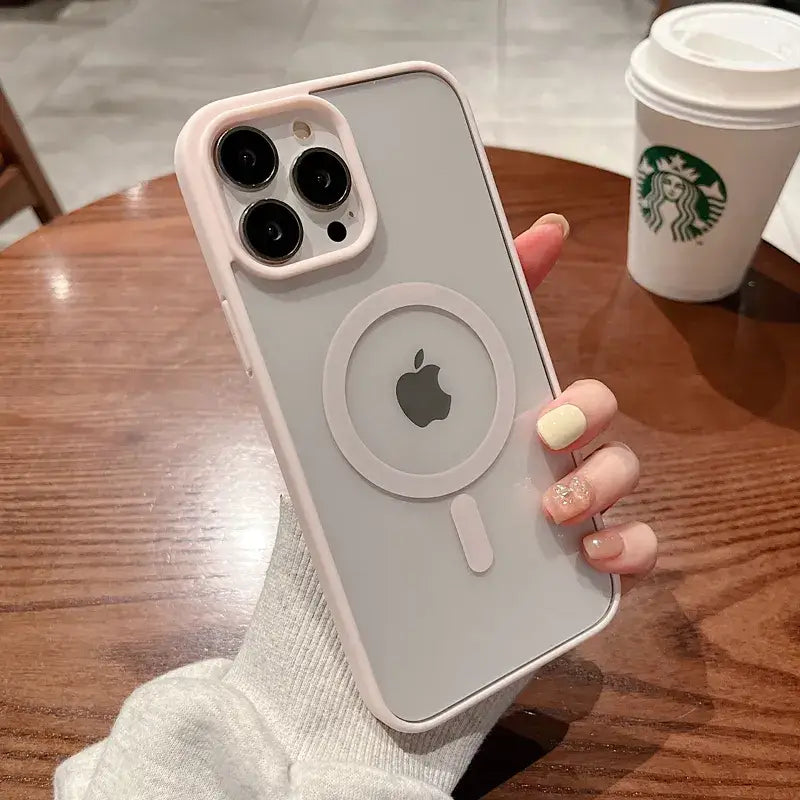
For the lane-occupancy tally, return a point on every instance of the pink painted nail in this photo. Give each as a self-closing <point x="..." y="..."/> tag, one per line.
<point x="603" y="545"/>
<point x="554" y="219"/>
<point x="568" y="499"/>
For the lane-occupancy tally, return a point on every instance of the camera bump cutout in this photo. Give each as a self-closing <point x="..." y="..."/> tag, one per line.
<point x="293" y="186"/>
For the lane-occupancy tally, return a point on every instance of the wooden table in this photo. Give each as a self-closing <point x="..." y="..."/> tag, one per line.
<point x="138" y="497"/>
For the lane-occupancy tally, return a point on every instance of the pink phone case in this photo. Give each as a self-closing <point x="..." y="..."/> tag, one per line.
<point x="445" y="580"/>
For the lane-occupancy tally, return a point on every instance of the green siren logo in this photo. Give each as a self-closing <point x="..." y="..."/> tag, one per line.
<point x="680" y="191"/>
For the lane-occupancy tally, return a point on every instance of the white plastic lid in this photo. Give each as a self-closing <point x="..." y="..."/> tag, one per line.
<point x="728" y="65"/>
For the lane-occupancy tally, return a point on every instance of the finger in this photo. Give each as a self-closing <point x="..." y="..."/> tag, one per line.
<point x="540" y="246"/>
<point x="577" y="415"/>
<point x="630" y="549"/>
<point x="607" y="475"/>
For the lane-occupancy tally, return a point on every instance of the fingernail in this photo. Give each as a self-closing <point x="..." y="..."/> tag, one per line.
<point x="567" y="499"/>
<point x="554" y="219"/>
<point x="603" y="544"/>
<point x="561" y="426"/>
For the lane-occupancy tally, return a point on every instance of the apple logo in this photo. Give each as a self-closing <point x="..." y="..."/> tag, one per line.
<point x="419" y="394"/>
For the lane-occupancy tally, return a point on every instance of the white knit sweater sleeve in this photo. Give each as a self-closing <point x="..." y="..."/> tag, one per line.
<point x="282" y="720"/>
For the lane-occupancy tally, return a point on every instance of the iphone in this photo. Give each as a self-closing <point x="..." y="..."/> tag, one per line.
<point x="356" y="241"/>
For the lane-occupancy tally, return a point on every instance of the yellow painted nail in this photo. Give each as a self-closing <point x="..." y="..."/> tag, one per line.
<point x="561" y="426"/>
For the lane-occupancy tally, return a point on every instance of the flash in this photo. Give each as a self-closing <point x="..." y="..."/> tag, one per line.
<point x="301" y="130"/>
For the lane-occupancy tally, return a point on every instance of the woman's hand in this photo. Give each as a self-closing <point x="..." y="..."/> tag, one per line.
<point x="572" y="421"/>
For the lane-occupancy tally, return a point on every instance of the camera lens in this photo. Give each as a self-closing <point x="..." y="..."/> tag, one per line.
<point x="321" y="178"/>
<point x="247" y="157"/>
<point x="271" y="230"/>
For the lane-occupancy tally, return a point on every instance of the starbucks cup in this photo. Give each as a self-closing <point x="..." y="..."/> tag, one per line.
<point x="717" y="89"/>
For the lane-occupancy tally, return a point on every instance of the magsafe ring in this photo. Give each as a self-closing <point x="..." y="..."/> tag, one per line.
<point x="334" y="390"/>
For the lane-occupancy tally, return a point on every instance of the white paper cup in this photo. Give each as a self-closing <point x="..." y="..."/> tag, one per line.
<point x="717" y="132"/>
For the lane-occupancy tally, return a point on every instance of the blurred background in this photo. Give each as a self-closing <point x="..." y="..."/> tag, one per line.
<point x="102" y="87"/>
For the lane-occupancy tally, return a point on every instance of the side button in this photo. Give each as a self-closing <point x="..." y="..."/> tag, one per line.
<point x="237" y="337"/>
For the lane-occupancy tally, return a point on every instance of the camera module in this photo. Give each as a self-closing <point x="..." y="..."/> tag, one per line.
<point x="246" y="157"/>
<point x="271" y="230"/>
<point x="321" y="178"/>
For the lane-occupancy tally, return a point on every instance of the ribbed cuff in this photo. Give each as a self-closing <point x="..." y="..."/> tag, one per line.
<point x="293" y="669"/>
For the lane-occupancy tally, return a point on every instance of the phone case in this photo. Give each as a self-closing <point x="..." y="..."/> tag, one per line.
<point x="400" y="377"/>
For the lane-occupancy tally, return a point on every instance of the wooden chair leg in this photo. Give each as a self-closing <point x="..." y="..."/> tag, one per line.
<point x="16" y="149"/>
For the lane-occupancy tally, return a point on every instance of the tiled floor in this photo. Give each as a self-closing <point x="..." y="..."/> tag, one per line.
<point x="104" y="86"/>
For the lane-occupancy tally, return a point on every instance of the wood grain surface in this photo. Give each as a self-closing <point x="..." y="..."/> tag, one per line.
<point x="138" y="497"/>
